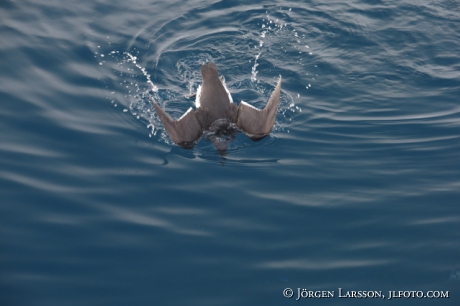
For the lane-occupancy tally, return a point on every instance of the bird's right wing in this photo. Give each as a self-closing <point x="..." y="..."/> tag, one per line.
<point x="257" y="123"/>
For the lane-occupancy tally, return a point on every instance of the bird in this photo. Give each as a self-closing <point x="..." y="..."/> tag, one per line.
<point x="215" y="110"/>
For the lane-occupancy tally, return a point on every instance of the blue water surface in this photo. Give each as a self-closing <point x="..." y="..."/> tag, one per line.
<point x="357" y="187"/>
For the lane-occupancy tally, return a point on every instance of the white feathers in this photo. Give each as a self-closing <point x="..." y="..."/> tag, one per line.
<point x="242" y="102"/>
<point x="198" y="97"/>
<point x="222" y="79"/>
<point x="198" y="93"/>
<point x="188" y="111"/>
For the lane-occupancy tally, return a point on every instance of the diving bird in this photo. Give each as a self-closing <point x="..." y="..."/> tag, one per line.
<point x="215" y="110"/>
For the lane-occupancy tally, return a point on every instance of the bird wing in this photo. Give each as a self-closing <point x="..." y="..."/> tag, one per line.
<point x="183" y="131"/>
<point x="258" y="123"/>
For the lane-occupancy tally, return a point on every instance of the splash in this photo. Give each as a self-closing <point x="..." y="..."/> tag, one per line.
<point x="139" y="104"/>
<point x="272" y="35"/>
<point x="254" y="71"/>
<point x="279" y="33"/>
<point x="134" y="61"/>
